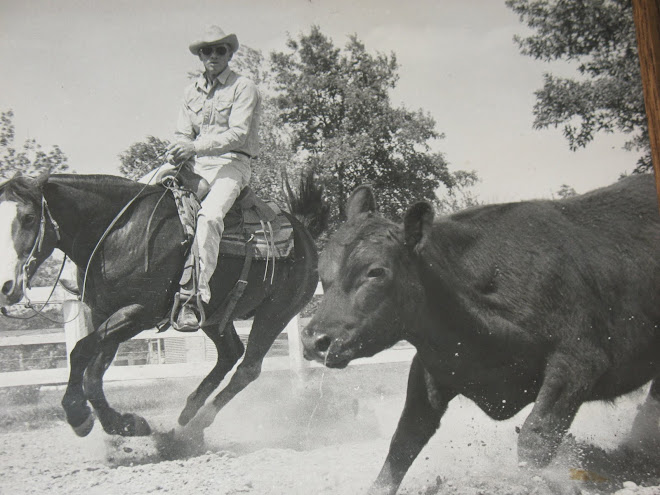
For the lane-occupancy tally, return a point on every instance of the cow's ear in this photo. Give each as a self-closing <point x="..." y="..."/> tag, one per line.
<point x="361" y="200"/>
<point x="417" y="224"/>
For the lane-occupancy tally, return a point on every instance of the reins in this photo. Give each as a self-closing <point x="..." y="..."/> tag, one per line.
<point x="105" y="234"/>
<point x="36" y="248"/>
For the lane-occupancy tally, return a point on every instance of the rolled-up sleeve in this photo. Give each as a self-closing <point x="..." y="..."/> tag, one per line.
<point x="241" y="123"/>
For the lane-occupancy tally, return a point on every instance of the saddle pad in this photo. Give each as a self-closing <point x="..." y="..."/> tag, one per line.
<point x="269" y="238"/>
<point x="250" y="220"/>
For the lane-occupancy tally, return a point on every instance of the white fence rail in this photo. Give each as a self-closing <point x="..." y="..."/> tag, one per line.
<point x="74" y="316"/>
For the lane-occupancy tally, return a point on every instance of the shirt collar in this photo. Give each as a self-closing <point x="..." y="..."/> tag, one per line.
<point x="220" y="78"/>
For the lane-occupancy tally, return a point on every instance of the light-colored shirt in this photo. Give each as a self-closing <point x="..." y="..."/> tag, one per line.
<point x="220" y="117"/>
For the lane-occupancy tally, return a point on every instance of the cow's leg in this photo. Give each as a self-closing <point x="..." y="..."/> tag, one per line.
<point x="425" y="405"/>
<point x="230" y="349"/>
<point x="568" y="381"/>
<point x="645" y="432"/>
<point x="121" y="326"/>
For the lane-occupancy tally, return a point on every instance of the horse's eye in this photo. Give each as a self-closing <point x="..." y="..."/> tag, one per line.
<point x="29" y="219"/>
<point x="376" y="272"/>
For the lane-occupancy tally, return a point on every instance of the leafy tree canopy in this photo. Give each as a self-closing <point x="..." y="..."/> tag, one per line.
<point x="328" y="110"/>
<point x="599" y="36"/>
<point x="30" y="159"/>
<point x="336" y="106"/>
<point x="142" y="157"/>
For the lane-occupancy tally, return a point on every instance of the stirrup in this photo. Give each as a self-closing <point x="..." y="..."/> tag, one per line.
<point x="178" y="305"/>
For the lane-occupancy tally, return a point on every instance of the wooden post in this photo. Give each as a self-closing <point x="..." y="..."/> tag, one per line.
<point x="647" y="24"/>
<point x="76" y="315"/>
<point x="296" y="360"/>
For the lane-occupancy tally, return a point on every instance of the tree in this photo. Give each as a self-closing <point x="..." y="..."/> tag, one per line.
<point x="335" y="104"/>
<point x="599" y="36"/>
<point x="460" y="195"/>
<point x="143" y="156"/>
<point x="31" y="158"/>
<point x="566" y="191"/>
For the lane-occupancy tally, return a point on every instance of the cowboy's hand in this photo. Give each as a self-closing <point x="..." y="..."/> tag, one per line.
<point x="180" y="152"/>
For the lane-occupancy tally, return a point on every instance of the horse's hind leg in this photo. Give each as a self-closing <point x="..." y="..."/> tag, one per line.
<point x="645" y="432"/>
<point x="230" y="349"/>
<point x="268" y="323"/>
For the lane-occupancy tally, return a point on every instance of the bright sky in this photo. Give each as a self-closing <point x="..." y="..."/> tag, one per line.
<point x="96" y="76"/>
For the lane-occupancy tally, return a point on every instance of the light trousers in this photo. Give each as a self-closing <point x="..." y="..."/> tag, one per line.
<point x="227" y="176"/>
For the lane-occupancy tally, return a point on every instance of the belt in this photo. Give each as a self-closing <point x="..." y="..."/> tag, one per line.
<point x="241" y="153"/>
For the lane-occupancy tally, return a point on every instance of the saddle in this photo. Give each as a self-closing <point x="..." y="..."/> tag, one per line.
<point x="253" y="229"/>
<point x="251" y="223"/>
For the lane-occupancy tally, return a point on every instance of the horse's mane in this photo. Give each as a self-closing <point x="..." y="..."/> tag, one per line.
<point x="22" y="188"/>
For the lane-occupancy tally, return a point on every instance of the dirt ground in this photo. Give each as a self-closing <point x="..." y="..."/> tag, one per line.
<point x="326" y="434"/>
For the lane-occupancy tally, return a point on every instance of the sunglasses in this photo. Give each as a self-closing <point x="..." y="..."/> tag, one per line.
<point x="208" y="50"/>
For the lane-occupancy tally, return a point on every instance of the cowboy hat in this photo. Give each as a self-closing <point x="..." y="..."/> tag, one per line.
<point x="214" y="36"/>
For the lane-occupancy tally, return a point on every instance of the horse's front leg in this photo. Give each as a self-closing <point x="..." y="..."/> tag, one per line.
<point x="114" y="423"/>
<point x="89" y="360"/>
<point x="74" y="402"/>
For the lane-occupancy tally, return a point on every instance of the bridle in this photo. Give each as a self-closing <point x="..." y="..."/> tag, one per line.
<point x="37" y="247"/>
<point x="46" y="216"/>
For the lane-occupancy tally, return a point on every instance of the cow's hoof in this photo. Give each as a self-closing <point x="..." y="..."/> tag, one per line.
<point x="83" y="429"/>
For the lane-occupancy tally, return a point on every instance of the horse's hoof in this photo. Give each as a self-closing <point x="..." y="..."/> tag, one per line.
<point x="192" y="437"/>
<point x="185" y="417"/>
<point x="142" y="428"/>
<point x="82" y="430"/>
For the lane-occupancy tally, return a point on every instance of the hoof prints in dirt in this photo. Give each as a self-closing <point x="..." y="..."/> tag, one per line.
<point x="160" y="446"/>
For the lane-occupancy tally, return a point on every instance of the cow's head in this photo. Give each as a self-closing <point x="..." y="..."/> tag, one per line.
<point x="23" y="248"/>
<point x="371" y="287"/>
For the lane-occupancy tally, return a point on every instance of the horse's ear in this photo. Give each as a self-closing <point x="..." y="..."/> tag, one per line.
<point x="42" y="178"/>
<point x="361" y="200"/>
<point x="417" y="224"/>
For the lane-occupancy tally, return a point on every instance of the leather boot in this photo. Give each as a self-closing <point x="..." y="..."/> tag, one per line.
<point x="188" y="318"/>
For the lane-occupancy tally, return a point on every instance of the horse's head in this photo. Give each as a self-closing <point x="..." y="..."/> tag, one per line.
<point x="25" y="239"/>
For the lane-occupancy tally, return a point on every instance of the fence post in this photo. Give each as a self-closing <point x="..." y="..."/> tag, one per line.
<point x="77" y="321"/>
<point x="296" y="360"/>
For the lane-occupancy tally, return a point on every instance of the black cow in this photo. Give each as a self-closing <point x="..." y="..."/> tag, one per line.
<point x="552" y="302"/>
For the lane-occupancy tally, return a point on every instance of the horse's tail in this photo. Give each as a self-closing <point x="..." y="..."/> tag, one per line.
<point x="308" y="205"/>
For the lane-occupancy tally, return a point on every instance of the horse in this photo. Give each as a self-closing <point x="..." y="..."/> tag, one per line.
<point x="100" y="222"/>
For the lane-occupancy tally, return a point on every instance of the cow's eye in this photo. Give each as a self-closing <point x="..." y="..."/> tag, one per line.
<point x="376" y="272"/>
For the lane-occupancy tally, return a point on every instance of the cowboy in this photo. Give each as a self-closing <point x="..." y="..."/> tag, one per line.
<point x="216" y="136"/>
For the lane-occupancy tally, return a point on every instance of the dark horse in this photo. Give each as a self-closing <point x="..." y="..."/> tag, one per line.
<point x="127" y="295"/>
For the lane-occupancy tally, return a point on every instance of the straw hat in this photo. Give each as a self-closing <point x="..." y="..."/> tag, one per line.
<point x="214" y="35"/>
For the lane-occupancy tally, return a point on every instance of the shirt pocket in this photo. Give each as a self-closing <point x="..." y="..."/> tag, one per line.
<point x="195" y="105"/>
<point x="221" y="111"/>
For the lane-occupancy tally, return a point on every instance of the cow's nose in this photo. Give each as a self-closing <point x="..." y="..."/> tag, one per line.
<point x="322" y="343"/>
<point x="8" y="287"/>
